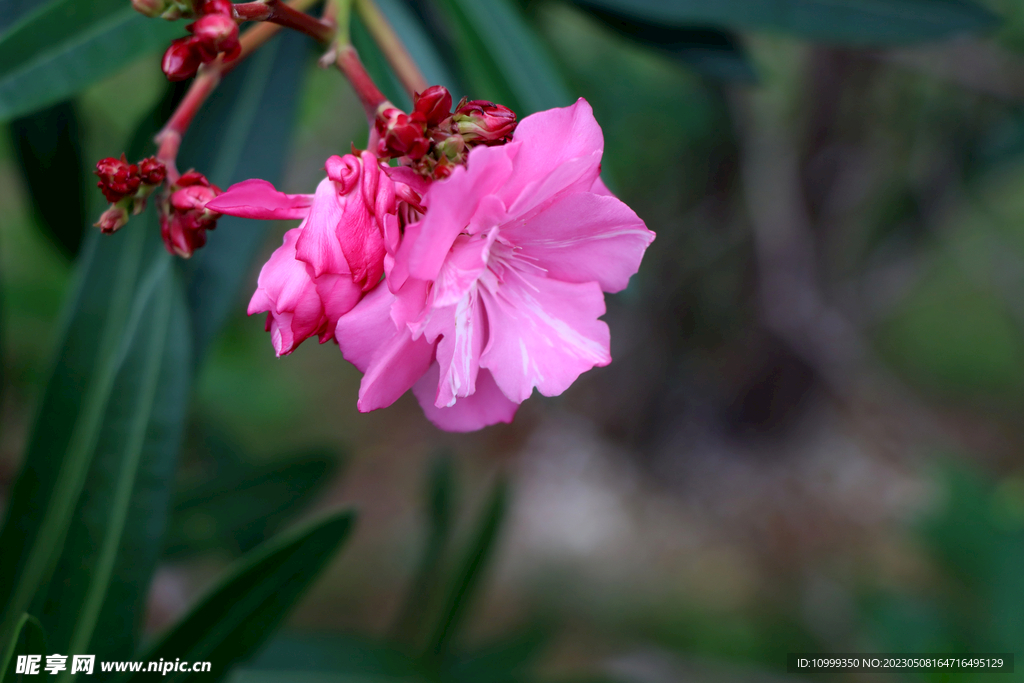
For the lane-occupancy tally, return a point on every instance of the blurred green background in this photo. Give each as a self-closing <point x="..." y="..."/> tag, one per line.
<point x="810" y="436"/>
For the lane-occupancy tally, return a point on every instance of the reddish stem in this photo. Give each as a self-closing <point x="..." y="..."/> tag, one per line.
<point x="281" y="14"/>
<point x="169" y="137"/>
<point x="349" y="63"/>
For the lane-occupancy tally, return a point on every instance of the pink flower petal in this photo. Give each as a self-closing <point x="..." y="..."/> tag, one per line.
<point x="319" y="245"/>
<point x="543" y="333"/>
<point x="600" y="188"/>
<point x="461" y="327"/>
<point x="258" y="199"/>
<point x="339" y="295"/>
<point x="485" y="407"/>
<point x="550" y="139"/>
<point x="287" y="293"/>
<point x="390" y="358"/>
<point x="451" y="204"/>
<point x="584" y="237"/>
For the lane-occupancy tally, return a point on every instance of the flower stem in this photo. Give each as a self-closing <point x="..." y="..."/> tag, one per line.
<point x="348" y="62"/>
<point x="276" y="12"/>
<point x="392" y="47"/>
<point x="168" y="139"/>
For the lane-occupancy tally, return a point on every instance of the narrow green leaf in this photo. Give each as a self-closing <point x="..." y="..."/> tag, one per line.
<point x="377" y="66"/>
<point x="420" y="43"/>
<point x="508" y="659"/>
<point x="244" y="132"/>
<point x="70" y="420"/>
<point x="503" y="57"/>
<point x="470" y="571"/>
<point x="64" y="46"/>
<point x="347" y="655"/>
<point x="440" y="500"/>
<point x="88" y="406"/>
<point x="289" y="676"/>
<point x="853" y="22"/>
<point x="238" y="615"/>
<point x="241" y="507"/>
<point x="30" y="637"/>
<point x="714" y="53"/>
<point x="49" y="154"/>
<point x="108" y="555"/>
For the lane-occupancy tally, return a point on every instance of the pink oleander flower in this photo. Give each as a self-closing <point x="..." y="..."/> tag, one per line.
<point x="327" y="263"/>
<point x="498" y="288"/>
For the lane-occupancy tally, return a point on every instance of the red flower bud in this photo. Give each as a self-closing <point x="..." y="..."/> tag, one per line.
<point x="217" y="7"/>
<point x="434" y="104"/>
<point x="401" y="135"/>
<point x="118" y="178"/>
<point x="113" y="219"/>
<point x="213" y="34"/>
<point x="185" y="220"/>
<point x="484" y="122"/>
<point x="152" y="171"/>
<point x="181" y="60"/>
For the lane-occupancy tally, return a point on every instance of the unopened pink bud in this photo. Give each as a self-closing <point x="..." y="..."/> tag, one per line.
<point x="113" y="219"/>
<point x="118" y="178"/>
<point x="185" y="220"/>
<point x="216" y="33"/>
<point x="217" y="7"/>
<point x="181" y="60"/>
<point x="151" y="8"/>
<point x="484" y="122"/>
<point x="434" y="104"/>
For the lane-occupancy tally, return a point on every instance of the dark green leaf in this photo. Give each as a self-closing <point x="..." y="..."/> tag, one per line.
<point x="714" y="53"/>
<point x="119" y="390"/>
<point x="856" y="22"/>
<point x="28" y="639"/>
<point x="440" y="507"/>
<point x="49" y="155"/>
<point x="112" y="544"/>
<point x="377" y="66"/>
<point x="63" y="46"/>
<point x="244" y="132"/>
<point x="353" y="656"/>
<point x="506" y="661"/>
<point x="502" y="56"/>
<point x="419" y="42"/>
<point x="114" y="400"/>
<point x="470" y="571"/>
<point x="241" y="507"/>
<point x="289" y="676"/>
<point x="238" y="615"/>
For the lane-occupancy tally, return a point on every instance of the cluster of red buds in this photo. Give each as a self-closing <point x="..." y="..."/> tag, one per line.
<point x="215" y="32"/>
<point x="126" y="186"/>
<point x="433" y="139"/>
<point x="184" y="218"/>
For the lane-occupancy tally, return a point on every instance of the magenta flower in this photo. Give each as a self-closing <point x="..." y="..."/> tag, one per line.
<point x="497" y="289"/>
<point x="328" y="262"/>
